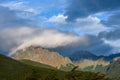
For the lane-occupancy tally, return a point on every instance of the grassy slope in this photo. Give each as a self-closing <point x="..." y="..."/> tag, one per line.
<point x="14" y="70"/>
<point x="36" y="64"/>
<point x="11" y="69"/>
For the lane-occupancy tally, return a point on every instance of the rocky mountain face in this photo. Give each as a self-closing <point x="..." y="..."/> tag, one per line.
<point x="113" y="70"/>
<point x="42" y="55"/>
<point x="82" y="59"/>
<point x="86" y="63"/>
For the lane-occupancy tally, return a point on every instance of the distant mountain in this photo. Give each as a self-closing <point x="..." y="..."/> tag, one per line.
<point x="84" y="59"/>
<point x="81" y="55"/>
<point x="42" y="55"/>
<point x="110" y="57"/>
<point x="87" y="60"/>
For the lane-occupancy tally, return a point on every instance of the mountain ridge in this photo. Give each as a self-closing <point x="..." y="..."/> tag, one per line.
<point x="79" y="58"/>
<point x="81" y="55"/>
<point x="42" y="55"/>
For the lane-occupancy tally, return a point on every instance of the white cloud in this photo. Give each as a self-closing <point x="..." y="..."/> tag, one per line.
<point x="21" y="6"/>
<point x="58" y="19"/>
<point x="13" y="5"/>
<point x="19" y="38"/>
<point x="89" y="25"/>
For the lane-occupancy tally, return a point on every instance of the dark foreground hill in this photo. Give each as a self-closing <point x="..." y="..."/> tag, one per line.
<point x="28" y="70"/>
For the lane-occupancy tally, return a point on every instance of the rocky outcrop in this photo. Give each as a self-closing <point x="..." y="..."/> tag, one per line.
<point x="86" y="62"/>
<point x="42" y="55"/>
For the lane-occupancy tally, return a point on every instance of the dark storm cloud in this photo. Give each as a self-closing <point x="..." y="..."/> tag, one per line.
<point x="95" y="45"/>
<point x="83" y="8"/>
<point x="112" y="35"/>
<point x="113" y="20"/>
<point x="8" y="18"/>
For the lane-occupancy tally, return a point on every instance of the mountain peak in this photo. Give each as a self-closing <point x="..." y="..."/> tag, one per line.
<point x="80" y="55"/>
<point x="42" y="55"/>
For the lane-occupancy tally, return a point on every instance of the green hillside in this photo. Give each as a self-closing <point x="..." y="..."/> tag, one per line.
<point x="24" y="70"/>
<point x="11" y="69"/>
<point x="36" y="64"/>
<point x="28" y="70"/>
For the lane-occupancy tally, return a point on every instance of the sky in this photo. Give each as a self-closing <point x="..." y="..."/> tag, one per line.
<point x="64" y="26"/>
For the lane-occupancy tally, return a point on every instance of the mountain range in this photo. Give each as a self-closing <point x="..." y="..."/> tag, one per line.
<point x="81" y="55"/>
<point x="37" y="57"/>
<point x="79" y="58"/>
<point x="84" y="59"/>
<point x="11" y="69"/>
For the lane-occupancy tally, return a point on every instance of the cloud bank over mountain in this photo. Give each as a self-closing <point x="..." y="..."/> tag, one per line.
<point x="22" y="37"/>
<point x="65" y="26"/>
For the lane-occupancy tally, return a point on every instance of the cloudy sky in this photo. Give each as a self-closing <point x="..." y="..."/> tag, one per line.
<point x="65" y="26"/>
